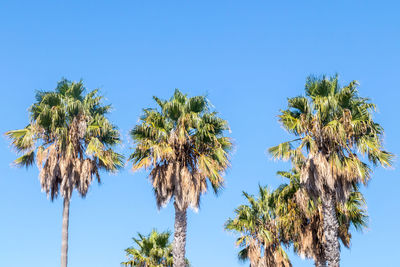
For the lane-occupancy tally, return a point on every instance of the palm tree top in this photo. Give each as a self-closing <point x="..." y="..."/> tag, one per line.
<point x="260" y="236"/>
<point x="336" y="123"/>
<point x="152" y="250"/>
<point x="69" y="137"/>
<point x="181" y="140"/>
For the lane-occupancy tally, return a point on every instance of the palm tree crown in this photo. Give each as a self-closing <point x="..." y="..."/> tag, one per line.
<point x="183" y="143"/>
<point x="69" y="137"/>
<point x="154" y="250"/>
<point x="260" y="236"/>
<point x="334" y="125"/>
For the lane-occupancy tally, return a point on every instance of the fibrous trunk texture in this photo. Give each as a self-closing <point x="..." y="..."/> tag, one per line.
<point x="331" y="228"/>
<point x="64" y="236"/>
<point x="179" y="244"/>
<point x="320" y="262"/>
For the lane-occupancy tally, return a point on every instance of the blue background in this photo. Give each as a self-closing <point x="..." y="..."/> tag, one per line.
<point x="247" y="56"/>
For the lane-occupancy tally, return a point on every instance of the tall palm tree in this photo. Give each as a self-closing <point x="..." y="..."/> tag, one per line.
<point x="183" y="144"/>
<point x="337" y="134"/>
<point x="70" y="139"/>
<point x="260" y="236"/>
<point x="154" y="250"/>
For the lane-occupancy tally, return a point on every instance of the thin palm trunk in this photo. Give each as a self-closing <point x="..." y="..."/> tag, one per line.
<point x="179" y="244"/>
<point x="331" y="227"/>
<point x="64" y="236"/>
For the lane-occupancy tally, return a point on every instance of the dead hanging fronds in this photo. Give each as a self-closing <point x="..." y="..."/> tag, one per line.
<point x="319" y="176"/>
<point x="254" y="253"/>
<point x="162" y="178"/>
<point x="316" y="174"/>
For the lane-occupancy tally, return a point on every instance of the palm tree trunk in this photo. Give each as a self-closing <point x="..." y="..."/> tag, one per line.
<point x="179" y="244"/>
<point x="331" y="227"/>
<point x="319" y="262"/>
<point x="64" y="235"/>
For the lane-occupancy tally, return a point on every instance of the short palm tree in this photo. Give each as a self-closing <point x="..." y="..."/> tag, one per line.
<point x="154" y="250"/>
<point x="70" y="139"/>
<point x="337" y="134"/>
<point x="274" y="220"/>
<point x="183" y="144"/>
<point x="260" y="236"/>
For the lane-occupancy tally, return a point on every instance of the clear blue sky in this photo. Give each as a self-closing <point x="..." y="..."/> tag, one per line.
<point x="247" y="56"/>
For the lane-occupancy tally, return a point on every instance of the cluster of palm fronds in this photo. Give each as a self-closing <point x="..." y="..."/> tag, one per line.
<point x="183" y="143"/>
<point x="335" y="131"/>
<point x="154" y="250"/>
<point x="277" y="220"/>
<point x="69" y="137"/>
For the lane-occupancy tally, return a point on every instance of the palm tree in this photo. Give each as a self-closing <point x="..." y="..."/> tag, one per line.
<point x="154" y="250"/>
<point x="260" y="236"/>
<point x="283" y="217"/>
<point x="336" y="133"/>
<point x="183" y="144"/>
<point x="70" y="139"/>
